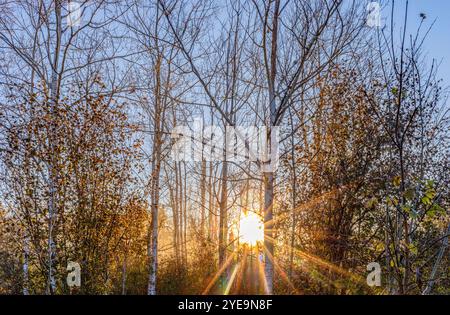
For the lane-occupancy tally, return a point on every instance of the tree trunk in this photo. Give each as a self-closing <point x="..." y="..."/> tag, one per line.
<point x="203" y="199"/>
<point x="268" y="176"/>
<point x="294" y="198"/>
<point x="156" y="168"/>
<point x="211" y="208"/>
<point x="173" y="196"/>
<point x="223" y="220"/>
<point x="54" y="87"/>
<point x="124" y="273"/>
<point x="268" y="233"/>
<point x="26" y="255"/>
<point x="434" y="272"/>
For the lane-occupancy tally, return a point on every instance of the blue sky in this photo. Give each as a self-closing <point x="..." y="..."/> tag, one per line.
<point x="437" y="45"/>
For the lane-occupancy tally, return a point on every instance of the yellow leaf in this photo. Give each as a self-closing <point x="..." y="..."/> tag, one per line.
<point x="397" y="180"/>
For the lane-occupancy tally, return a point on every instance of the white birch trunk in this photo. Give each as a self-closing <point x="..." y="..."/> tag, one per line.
<point x="51" y="283"/>
<point x="268" y="234"/>
<point x="26" y="255"/>
<point x="434" y="272"/>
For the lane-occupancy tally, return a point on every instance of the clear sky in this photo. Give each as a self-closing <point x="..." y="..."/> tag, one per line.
<point x="437" y="45"/>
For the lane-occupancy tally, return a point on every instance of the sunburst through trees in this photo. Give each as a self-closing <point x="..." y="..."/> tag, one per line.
<point x="321" y="146"/>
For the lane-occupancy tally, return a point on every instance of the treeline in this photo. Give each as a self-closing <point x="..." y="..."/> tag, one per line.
<point x="91" y="95"/>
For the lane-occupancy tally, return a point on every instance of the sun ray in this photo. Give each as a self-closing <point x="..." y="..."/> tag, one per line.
<point x="262" y="277"/>
<point x="310" y="203"/>
<point x="218" y="273"/>
<point x="280" y="271"/>
<point x="231" y="280"/>
<point x="322" y="263"/>
<point x="242" y="269"/>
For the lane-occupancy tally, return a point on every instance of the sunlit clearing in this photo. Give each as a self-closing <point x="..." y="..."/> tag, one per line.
<point x="251" y="228"/>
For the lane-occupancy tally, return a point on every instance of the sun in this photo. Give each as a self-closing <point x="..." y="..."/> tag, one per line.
<point x="251" y="228"/>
